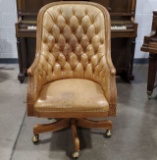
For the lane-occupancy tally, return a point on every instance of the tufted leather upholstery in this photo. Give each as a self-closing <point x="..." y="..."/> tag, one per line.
<point x="73" y="53"/>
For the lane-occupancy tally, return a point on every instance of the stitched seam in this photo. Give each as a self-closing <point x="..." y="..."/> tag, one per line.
<point x="67" y="110"/>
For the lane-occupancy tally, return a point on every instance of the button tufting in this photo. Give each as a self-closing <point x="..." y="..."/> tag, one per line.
<point x="75" y="42"/>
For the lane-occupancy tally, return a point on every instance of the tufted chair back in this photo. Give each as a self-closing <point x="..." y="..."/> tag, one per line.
<point x="72" y="42"/>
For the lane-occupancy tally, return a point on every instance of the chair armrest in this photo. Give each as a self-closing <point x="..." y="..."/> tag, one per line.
<point x="107" y="79"/>
<point x="33" y="90"/>
<point x="34" y="64"/>
<point x="35" y="83"/>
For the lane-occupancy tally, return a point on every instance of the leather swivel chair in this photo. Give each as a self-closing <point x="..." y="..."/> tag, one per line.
<point x="72" y="78"/>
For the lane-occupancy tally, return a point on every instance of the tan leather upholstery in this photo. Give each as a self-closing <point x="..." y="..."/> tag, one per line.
<point x="73" y="41"/>
<point x="72" y="77"/>
<point x="71" y="95"/>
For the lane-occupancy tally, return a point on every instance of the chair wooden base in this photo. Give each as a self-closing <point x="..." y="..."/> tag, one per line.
<point x="64" y="123"/>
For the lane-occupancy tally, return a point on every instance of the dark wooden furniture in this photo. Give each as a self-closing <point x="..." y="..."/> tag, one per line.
<point x="150" y="45"/>
<point x="123" y="33"/>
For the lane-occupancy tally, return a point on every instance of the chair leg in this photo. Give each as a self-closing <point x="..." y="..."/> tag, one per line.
<point x="106" y="124"/>
<point x="76" y="139"/>
<point x="41" y="128"/>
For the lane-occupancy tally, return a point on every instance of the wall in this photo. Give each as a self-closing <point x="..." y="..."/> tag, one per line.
<point x="143" y="17"/>
<point x="8" y="17"/>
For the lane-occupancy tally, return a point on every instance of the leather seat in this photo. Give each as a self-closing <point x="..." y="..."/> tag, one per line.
<point x="72" y="77"/>
<point x="76" y="96"/>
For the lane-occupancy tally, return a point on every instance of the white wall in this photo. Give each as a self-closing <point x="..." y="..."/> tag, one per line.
<point x="143" y="17"/>
<point x="8" y="17"/>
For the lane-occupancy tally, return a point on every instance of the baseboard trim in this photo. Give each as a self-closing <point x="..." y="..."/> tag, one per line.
<point x="15" y="60"/>
<point x="141" y="61"/>
<point x="9" y="60"/>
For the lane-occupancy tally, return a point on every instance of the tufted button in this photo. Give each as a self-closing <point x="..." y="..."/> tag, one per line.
<point x="73" y="11"/>
<point x="79" y="32"/>
<point x="55" y="31"/>
<point x="84" y="60"/>
<point x="90" y="32"/>
<point x="73" y="23"/>
<point x="90" y="51"/>
<point x="73" y="60"/>
<point x="67" y="32"/>
<point x="84" y="41"/>
<point x="61" y="41"/>
<point x="51" y="59"/>
<point x="73" y="41"/>
<point x="59" y="11"/>
<point x="61" y="60"/>
<point x="45" y="35"/>
<point x="86" y="22"/>
<point x="56" y="50"/>
<point x="86" y="11"/>
<point x="67" y="49"/>
<point x="96" y="42"/>
<point x="94" y="61"/>
<point x="61" y="22"/>
<point x="78" y="50"/>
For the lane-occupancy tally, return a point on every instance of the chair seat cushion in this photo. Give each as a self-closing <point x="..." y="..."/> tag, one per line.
<point x="72" y="95"/>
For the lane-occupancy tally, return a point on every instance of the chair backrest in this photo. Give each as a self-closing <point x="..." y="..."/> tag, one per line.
<point x="73" y="39"/>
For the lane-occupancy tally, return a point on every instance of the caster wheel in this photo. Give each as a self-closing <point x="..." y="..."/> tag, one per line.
<point x="149" y="96"/>
<point x="108" y="133"/>
<point x="149" y="93"/>
<point x="35" y="139"/>
<point x="76" y="154"/>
